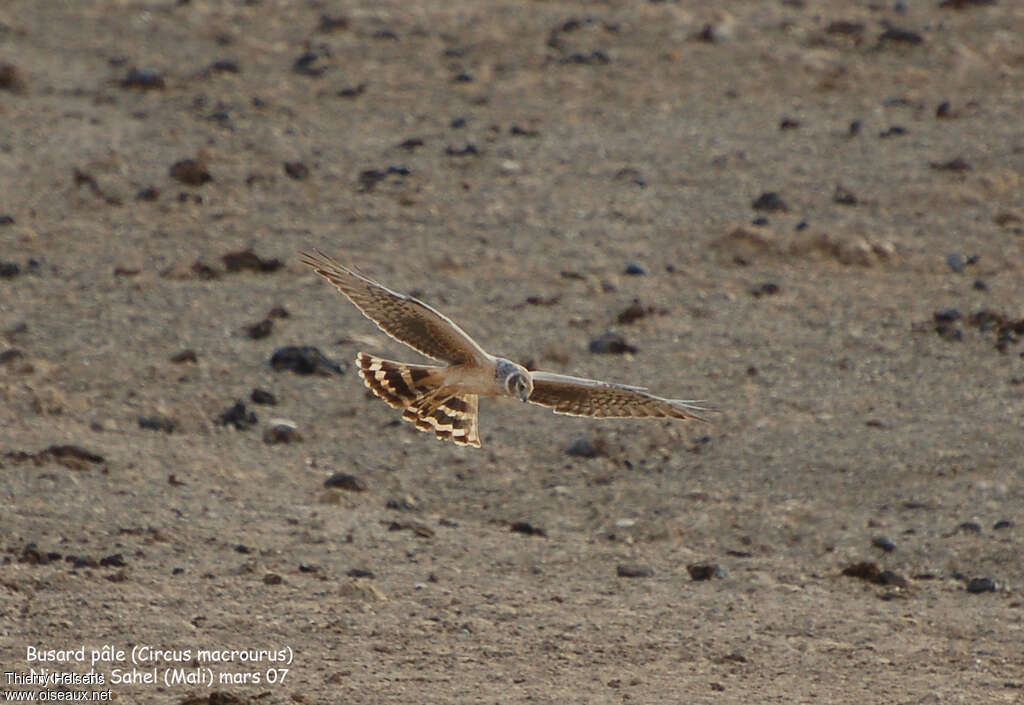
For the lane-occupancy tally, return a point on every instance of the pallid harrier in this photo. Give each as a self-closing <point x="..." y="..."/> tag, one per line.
<point x="445" y="399"/>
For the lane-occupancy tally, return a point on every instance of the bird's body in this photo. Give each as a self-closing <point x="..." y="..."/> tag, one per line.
<point x="445" y="399"/>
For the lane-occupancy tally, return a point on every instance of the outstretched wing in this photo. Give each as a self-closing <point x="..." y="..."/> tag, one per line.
<point x="577" y="396"/>
<point x="404" y="318"/>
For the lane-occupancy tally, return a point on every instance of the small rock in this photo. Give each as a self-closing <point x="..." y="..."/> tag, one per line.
<point x="143" y="79"/>
<point x="957" y="164"/>
<point x="115" y="560"/>
<point x="955" y="261"/>
<point x="296" y="170"/>
<point x="979" y="585"/>
<point x="345" y="481"/>
<point x="12" y="79"/>
<point x="901" y="36"/>
<point x="260" y="330"/>
<point x="525" y="527"/>
<point x="883" y="542"/>
<point x="765" y="289"/>
<point x="705" y="571"/>
<point x="9" y="270"/>
<point x="611" y="343"/>
<point x="247" y="259"/>
<point x="192" y="172"/>
<point x="583" y="447"/>
<point x="636" y="269"/>
<point x="969" y="527"/>
<point x="272" y="579"/>
<point x="158" y="422"/>
<point x="770" y="201"/>
<point x="187" y="355"/>
<point x="634" y="312"/>
<point x="1002" y="524"/>
<point x="844" y="196"/>
<point x="308" y="64"/>
<point x="359" y="573"/>
<point x="262" y="396"/>
<point x="633" y="570"/>
<point x="281" y="432"/>
<point x="304" y="360"/>
<point x="238" y="417"/>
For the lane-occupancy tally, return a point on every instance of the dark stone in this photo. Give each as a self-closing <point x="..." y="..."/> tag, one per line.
<point x="143" y="79"/>
<point x="260" y="330"/>
<point x="192" y="172"/>
<point x="345" y="481"/>
<point x="359" y="573"/>
<point x="765" y="289"/>
<point x="247" y="259"/>
<point x="238" y="417"/>
<point x="158" y="422"/>
<point x="296" y="170"/>
<point x="610" y="343"/>
<point x="150" y="193"/>
<point x="705" y="571"/>
<point x="770" y="201"/>
<point x="115" y="560"/>
<point x="308" y="64"/>
<point x="9" y="270"/>
<point x="187" y="355"/>
<point x="281" y="433"/>
<point x="893" y="131"/>
<point x="957" y="164"/>
<point x="883" y="542"/>
<point x="844" y="196"/>
<point x="582" y="447"/>
<point x="304" y="360"/>
<point x="6" y="220"/>
<point x="525" y="527"/>
<point x="955" y="261"/>
<point x="636" y="269"/>
<point x="271" y="579"/>
<point x="633" y="570"/>
<point x="979" y="585"/>
<point x="1002" y="524"/>
<point x="261" y="396"/>
<point x="900" y="35"/>
<point x="352" y="91"/>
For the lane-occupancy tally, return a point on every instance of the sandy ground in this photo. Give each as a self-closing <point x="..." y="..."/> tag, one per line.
<point x="860" y="332"/>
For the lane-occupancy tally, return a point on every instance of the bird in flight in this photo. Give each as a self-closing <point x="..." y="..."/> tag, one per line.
<point x="445" y="400"/>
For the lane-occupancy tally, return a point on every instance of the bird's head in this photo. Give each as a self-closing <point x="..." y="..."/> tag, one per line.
<point x="517" y="380"/>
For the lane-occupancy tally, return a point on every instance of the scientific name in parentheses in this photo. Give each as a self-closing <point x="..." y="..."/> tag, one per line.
<point x="45" y="676"/>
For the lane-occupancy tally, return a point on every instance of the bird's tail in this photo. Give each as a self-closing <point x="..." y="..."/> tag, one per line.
<point x="425" y="402"/>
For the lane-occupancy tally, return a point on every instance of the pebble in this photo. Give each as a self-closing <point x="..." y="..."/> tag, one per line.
<point x="611" y="343"/>
<point x="525" y="527"/>
<point x="247" y="259"/>
<point x="281" y="431"/>
<point x="770" y="201"/>
<point x="304" y="360"/>
<point x="979" y="585"/>
<point x="237" y="416"/>
<point x="346" y="481"/>
<point x="262" y="396"/>
<point x="192" y="172"/>
<point x="259" y="330"/>
<point x="884" y="542"/>
<point x="633" y="570"/>
<point x="583" y="447"/>
<point x="706" y="571"/>
<point x="158" y="422"/>
<point x="636" y="269"/>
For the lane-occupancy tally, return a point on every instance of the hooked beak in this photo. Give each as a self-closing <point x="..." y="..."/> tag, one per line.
<point x="524" y="394"/>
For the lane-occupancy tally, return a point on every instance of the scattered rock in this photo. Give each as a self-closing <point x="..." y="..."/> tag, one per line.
<point x="636" y="269"/>
<point x="965" y="4"/>
<point x="9" y="270"/>
<point x="525" y="527"/>
<point x="281" y="432"/>
<point x="611" y="343"/>
<point x="844" y="196"/>
<point x="158" y="422"/>
<point x="634" y="312"/>
<point x="187" y="355"/>
<point x="633" y="570"/>
<point x="115" y="560"/>
<point x="706" y="571"/>
<point x="192" y="172"/>
<point x="247" y="259"/>
<point x="955" y="261"/>
<point x="259" y="330"/>
<point x="70" y="456"/>
<point x="32" y="555"/>
<point x="272" y="579"/>
<point x="304" y="360"/>
<point x="12" y="79"/>
<point x="418" y="528"/>
<point x="143" y="79"/>
<point x="1003" y="524"/>
<point x="468" y="150"/>
<point x="869" y="571"/>
<point x="898" y="35"/>
<point x="296" y="170"/>
<point x="893" y="131"/>
<point x="345" y="481"/>
<point x="330" y="24"/>
<point x="352" y="91"/>
<point x="237" y="416"/>
<point x="583" y="447"/>
<point x="360" y="573"/>
<point x="977" y="586"/>
<point x="883" y="542"/>
<point x="764" y="289"/>
<point x="770" y="201"/>
<point x="310" y="64"/>
<point x="957" y="164"/>
<point x="261" y="396"/>
<point x="969" y="527"/>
